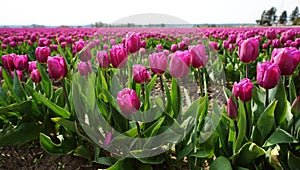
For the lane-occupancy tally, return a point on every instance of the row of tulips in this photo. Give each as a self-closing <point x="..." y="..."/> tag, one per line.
<point x="98" y="91"/>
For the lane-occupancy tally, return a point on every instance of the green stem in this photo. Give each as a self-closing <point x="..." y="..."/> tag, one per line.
<point x="65" y="94"/>
<point x="162" y="89"/>
<point x="236" y="129"/>
<point x="247" y="70"/>
<point x="138" y="129"/>
<point x="267" y="98"/>
<point x="200" y="82"/>
<point x="248" y="128"/>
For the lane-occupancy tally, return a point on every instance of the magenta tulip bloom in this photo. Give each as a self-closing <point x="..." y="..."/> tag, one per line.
<point x="21" y="62"/>
<point x="84" y="68"/>
<point x="31" y="66"/>
<point x="132" y="42"/>
<point x="143" y="44"/>
<point x="159" y="47"/>
<point x="102" y="59"/>
<point x="42" y="54"/>
<point x="3" y="46"/>
<point x="79" y="45"/>
<point x="198" y="54"/>
<point x="180" y="64"/>
<point x="158" y="63"/>
<point x="57" y="67"/>
<point x="86" y="55"/>
<point x="181" y="45"/>
<point x="118" y="56"/>
<point x="36" y="76"/>
<point x="271" y="34"/>
<point x="213" y="45"/>
<point x="19" y="74"/>
<point x="8" y="61"/>
<point x="128" y="101"/>
<point x="287" y="59"/>
<point x="267" y="74"/>
<point x="173" y="47"/>
<point x="140" y="73"/>
<point x="248" y="50"/>
<point x="243" y="89"/>
<point x="232" y="110"/>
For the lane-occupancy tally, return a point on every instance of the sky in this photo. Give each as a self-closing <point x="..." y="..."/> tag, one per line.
<point x="75" y="12"/>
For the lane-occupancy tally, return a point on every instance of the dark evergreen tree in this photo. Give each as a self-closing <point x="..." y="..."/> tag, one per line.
<point x="283" y="18"/>
<point x="294" y="15"/>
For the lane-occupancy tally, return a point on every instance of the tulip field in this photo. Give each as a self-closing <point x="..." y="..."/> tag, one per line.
<point x="154" y="98"/>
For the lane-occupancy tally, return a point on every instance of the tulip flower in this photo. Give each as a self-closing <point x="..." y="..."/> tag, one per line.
<point x="132" y="42"/>
<point x="173" y="47"/>
<point x="142" y="51"/>
<point x="21" y="62"/>
<point x="105" y="46"/>
<point x="102" y="59"/>
<point x="36" y="76"/>
<point x="159" y="47"/>
<point x="198" y="55"/>
<point x="180" y="64"/>
<point x="232" y="110"/>
<point x="112" y="42"/>
<point x="271" y="34"/>
<point x="42" y="54"/>
<point x="118" y="56"/>
<point x="140" y="73"/>
<point x="268" y="74"/>
<point x="128" y="101"/>
<point x="143" y="44"/>
<point x="86" y="55"/>
<point x="243" y="89"/>
<point x="248" y="50"/>
<point x="213" y="45"/>
<point x="287" y="59"/>
<point x="79" y="45"/>
<point x="8" y="61"/>
<point x="158" y="63"/>
<point x="57" y="67"/>
<point x="84" y="68"/>
<point x="31" y="66"/>
<point x="19" y="74"/>
<point x="3" y="46"/>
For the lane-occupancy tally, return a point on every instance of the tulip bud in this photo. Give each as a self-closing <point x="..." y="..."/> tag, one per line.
<point x="158" y="63"/>
<point x="248" y="50"/>
<point x="79" y="45"/>
<point x="31" y="66"/>
<point x="105" y="46"/>
<point x="142" y="51"/>
<point x="42" y="54"/>
<point x="181" y="45"/>
<point x="287" y="59"/>
<point x="57" y="67"/>
<point x="8" y="61"/>
<point x="232" y="110"/>
<point x="133" y="42"/>
<point x="296" y="106"/>
<point x="143" y="44"/>
<point x="198" y="56"/>
<point x="243" y="90"/>
<point x="102" y="59"/>
<point x="3" y="46"/>
<point x="118" y="56"/>
<point x="112" y="42"/>
<point x="21" y="62"/>
<point x="84" y="68"/>
<point x="159" y="47"/>
<point x="267" y="74"/>
<point x="180" y="64"/>
<point x="36" y="76"/>
<point x="140" y="73"/>
<point x="128" y="101"/>
<point x="173" y="47"/>
<point x="213" y="45"/>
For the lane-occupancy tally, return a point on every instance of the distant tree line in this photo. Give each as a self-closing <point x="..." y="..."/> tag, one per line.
<point x="105" y="25"/>
<point x="269" y="17"/>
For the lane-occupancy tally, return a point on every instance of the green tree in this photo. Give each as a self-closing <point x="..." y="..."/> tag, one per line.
<point x="294" y="15"/>
<point x="283" y="18"/>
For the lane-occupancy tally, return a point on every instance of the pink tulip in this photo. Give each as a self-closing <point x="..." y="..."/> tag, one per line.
<point x="84" y="68"/>
<point x="133" y="42"/>
<point x="118" y="56"/>
<point x="102" y="59"/>
<point x="21" y="62"/>
<point x="42" y="54"/>
<point x="243" y="89"/>
<point x="57" y="67"/>
<point x="180" y="64"/>
<point x="36" y="76"/>
<point x="248" y="50"/>
<point x="232" y="110"/>
<point x="268" y="74"/>
<point x="199" y="58"/>
<point x="128" y="101"/>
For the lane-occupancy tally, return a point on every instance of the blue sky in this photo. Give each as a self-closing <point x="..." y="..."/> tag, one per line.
<point x="58" y="12"/>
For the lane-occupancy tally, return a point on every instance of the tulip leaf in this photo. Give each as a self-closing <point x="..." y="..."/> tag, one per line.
<point x="3" y="96"/>
<point x="221" y="163"/>
<point x="106" y="160"/>
<point x="46" y="82"/>
<point x="242" y="126"/>
<point x="18" y="89"/>
<point x="248" y="153"/>
<point x="265" y="124"/>
<point x="56" y="109"/>
<point x="129" y="163"/>
<point x="292" y="90"/>
<point x="259" y="102"/>
<point x="9" y="83"/>
<point x="69" y="125"/>
<point x="24" y="133"/>
<point x="175" y="98"/>
<point x="280" y="136"/>
<point x="65" y="146"/>
<point x="169" y="100"/>
<point x="24" y="107"/>
<point x="83" y="152"/>
<point x="293" y="161"/>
